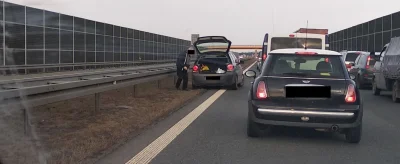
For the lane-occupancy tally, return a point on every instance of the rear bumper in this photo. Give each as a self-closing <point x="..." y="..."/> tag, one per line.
<point x="366" y="80"/>
<point x="316" y="118"/>
<point x="299" y="113"/>
<point x="225" y="79"/>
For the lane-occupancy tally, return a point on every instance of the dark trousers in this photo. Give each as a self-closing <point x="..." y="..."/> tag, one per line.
<point x="182" y="76"/>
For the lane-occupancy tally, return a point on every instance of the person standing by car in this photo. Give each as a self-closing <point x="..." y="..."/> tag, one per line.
<point x="182" y="66"/>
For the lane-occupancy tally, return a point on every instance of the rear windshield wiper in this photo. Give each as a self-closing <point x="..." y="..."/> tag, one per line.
<point x="295" y="74"/>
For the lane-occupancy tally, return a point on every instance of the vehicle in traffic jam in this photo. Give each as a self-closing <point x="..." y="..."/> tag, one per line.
<point x="305" y="88"/>
<point x="294" y="40"/>
<point x="350" y="57"/>
<point x="216" y="65"/>
<point x="387" y="70"/>
<point x="363" y="69"/>
<point x="259" y="61"/>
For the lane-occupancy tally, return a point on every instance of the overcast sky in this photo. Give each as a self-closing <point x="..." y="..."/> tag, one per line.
<point x="241" y="21"/>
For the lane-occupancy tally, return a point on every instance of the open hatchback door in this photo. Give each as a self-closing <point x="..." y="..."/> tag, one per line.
<point x="212" y="44"/>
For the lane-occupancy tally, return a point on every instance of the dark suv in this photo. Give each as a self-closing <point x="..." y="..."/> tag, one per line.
<point x="363" y="70"/>
<point x="305" y="88"/>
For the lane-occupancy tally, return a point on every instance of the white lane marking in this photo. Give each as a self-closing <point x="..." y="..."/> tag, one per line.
<point x="154" y="148"/>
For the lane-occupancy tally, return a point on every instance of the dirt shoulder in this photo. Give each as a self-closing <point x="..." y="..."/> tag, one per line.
<point x="73" y="132"/>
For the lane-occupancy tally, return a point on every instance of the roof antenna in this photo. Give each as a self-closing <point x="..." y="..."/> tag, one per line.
<point x="305" y="46"/>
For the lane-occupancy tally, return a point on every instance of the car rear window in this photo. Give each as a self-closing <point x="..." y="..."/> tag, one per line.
<point x="292" y="65"/>
<point x="372" y="61"/>
<point x="351" y="57"/>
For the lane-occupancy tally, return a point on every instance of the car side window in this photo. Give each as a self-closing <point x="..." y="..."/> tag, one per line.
<point x="232" y="56"/>
<point x="357" y="60"/>
<point x="383" y="53"/>
<point x="363" y="60"/>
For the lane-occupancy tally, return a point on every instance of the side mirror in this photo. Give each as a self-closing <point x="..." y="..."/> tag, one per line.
<point x="352" y="77"/>
<point x="241" y="62"/>
<point x="250" y="73"/>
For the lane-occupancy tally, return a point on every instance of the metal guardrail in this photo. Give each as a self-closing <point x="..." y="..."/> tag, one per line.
<point x="37" y="85"/>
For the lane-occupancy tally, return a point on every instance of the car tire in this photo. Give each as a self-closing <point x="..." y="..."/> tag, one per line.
<point x="241" y="83"/>
<point x="253" y="129"/>
<point x="195" y="86"/>
<point x="375" y="90"/>
<point x="394" y="92"/>
<point x="358" y="83"/>
<point x="353" y="135"/>
<point x="235" y="85"/>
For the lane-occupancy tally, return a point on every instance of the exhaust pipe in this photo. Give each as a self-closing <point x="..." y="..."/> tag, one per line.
<point x="335" y="128"/>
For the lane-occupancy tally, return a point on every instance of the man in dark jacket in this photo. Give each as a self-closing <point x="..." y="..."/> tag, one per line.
<point x="182" y="67"/>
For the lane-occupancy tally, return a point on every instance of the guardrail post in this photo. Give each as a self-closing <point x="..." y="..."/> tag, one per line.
<point x="158" y="84"/>
<point x="134" y="90"/>
<point x="26" y="122"/>
<point x="97" y="101"/>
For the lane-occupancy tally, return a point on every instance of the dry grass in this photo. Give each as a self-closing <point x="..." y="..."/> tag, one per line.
<point x="73" y="131"/>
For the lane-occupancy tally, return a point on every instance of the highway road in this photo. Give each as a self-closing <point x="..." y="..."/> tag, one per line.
<point x="218" y="135"/>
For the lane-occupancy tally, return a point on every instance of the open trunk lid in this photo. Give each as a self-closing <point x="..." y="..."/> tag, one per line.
<point x="209" y="45"/>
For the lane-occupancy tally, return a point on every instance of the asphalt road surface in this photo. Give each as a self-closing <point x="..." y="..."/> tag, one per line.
<point x="218" y="135"/>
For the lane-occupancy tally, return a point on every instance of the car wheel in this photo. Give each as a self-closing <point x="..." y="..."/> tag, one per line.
<point x="253" y="129"/>
<point x="395" y="92"/>
<point x="242" y="82"/>
<point x="358" y="83"/>
<point x="353" y="135"/>
<point x="375" y="90"/>
<point x="235" y="85"/>
<point x="195" y="86"/>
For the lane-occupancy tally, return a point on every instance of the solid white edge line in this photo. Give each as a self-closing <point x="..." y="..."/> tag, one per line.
<point x="154" y="148"/>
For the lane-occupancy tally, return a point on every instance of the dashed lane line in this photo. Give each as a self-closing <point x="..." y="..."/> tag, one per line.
<point x="153" y="149"/>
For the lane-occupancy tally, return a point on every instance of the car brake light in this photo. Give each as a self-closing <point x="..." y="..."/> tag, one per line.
<point x="348" y="66"/>
<point x="230" y="67"/>
<point x="261" y="90"/>
<point x="305" y="53"/>
<point x="291" y="35"/>
<point x="264" y="56"/>
<point x="351" y="94"/>
<point x="195" y="68"/>
<point x="327" y="60"/>
<point x="368" y="60"/>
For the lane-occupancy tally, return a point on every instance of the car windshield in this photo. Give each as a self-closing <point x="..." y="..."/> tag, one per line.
<point x="292" y="65"/>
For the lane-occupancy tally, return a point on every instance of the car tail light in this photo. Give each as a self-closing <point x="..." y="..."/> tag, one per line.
<point x="348" y="66"/>
<point x="368" y="60"/>
<point x="351" y="94"/>
<point x="230" y="67"/>
<point x="261" y="90"/>
<point x="291" y="35"/>
<point x="305" y="53"/>
<point x="264" y="57"/>
<point x="327" y="60"/>
<point x="195" y="68"/>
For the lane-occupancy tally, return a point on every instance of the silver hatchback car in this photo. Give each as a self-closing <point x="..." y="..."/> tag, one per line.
<point x="216" y="65"/>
